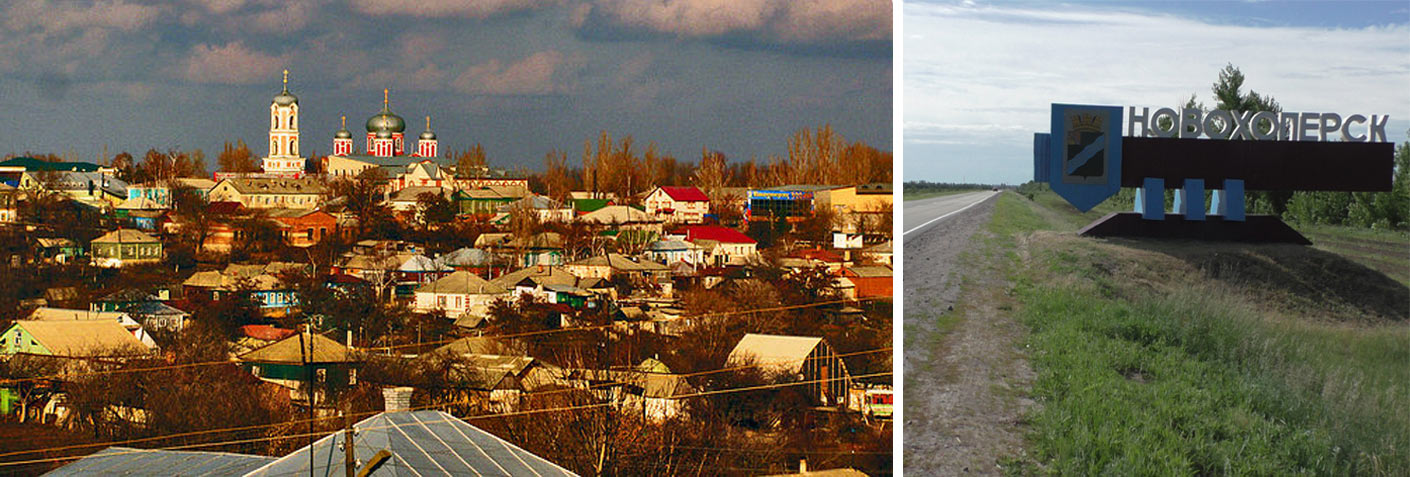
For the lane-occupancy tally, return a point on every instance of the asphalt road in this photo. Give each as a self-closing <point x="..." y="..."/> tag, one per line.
<point x="921" y="214"/>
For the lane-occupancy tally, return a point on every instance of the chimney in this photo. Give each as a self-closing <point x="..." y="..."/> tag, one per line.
<point x="396" y="399"/>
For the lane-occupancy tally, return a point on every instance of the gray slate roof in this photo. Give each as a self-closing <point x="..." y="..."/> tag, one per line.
<point x="421" y="443"/>
<point x="129" y="461"/>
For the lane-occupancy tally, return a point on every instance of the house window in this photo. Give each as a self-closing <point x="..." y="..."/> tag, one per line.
<point x="322" y="374"/>
<point x="255" y="370"/>
<point x="352" y="377"/>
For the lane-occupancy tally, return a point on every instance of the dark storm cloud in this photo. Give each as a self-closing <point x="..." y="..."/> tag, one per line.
<point x="521" y="77"/>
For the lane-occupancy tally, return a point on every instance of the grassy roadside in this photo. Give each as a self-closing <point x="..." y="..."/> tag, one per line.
<point x="910" y="195"/>
<point x="1173" y="359"/>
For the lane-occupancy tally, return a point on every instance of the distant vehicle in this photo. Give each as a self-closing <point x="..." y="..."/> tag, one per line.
<point x="996" y="189"/>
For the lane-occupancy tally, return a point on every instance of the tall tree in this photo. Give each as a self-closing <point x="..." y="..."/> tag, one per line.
<point x="471" y="162"/>
<point x="237" y="158"/>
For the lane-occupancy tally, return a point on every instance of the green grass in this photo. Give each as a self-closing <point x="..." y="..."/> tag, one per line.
<point x="1194" y="377"/>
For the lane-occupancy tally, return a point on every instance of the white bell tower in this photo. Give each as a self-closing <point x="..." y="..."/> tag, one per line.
<point x="284" y="134"/>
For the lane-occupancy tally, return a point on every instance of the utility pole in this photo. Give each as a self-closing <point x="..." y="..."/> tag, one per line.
<point x="349" y="457"/>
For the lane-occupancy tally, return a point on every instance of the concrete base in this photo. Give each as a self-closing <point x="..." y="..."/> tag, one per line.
<point x="1255" y="228"/>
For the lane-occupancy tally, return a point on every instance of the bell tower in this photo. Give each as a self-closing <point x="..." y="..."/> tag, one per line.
<point x="284" y="134"/>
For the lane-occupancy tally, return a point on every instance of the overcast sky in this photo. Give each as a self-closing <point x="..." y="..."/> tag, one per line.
<point x="521" y="77"/>
<point x="980" y="77"/>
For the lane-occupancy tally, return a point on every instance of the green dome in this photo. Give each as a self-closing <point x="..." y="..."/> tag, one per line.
<point x="343" y="134"/>
<point x="428" y="135"/>
<point x="286" y="98"/>
<point x="386" y="120"/>
<point x="384" y="134"/>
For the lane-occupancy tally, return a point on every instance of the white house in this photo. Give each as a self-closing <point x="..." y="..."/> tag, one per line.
<point x="722" y="245"/>
<point x="456" y="294"/>
<point x="682" y="205"/>
<point x="673" y="251"/>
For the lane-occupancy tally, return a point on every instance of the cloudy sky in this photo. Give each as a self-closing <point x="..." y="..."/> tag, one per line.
<point x="521" y="77"/>
<point x="980" y="76"/>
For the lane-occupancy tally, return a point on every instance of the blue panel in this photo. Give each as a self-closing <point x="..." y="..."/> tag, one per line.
<point x="1189" y="200"/>
<point x="1153" y="191"/>
<point x="1041" y="155"/>
<point x="1140" y="205"/>
<point x="1234" y="202"/>
<point x="1084" y="163"/>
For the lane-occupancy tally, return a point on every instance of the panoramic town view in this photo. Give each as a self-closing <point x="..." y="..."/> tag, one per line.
<point x="605" y="238"/>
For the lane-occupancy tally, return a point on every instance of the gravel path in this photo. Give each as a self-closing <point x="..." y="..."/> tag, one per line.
<point x="966" y="385"/>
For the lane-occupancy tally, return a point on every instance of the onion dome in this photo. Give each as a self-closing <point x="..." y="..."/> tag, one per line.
<point x="386" y="120"/>
<point x="428" y="135"/>
<point x="343" y="132"/>
<point x="285" y="98"/>
<point x="384" y="134"/>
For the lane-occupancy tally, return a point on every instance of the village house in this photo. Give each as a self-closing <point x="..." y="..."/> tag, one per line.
<point x="621" y="217"/>
<point x="478" y="261"/>
<point x="673" y="251"/>
<point x="544" y="248"/>
<point x="303" y="361"/>
<point x="801" y="358"/>
<point x="613" y="264"/>
<point x="98" y="189"/>
<point x="545" y="209"/>
<point x="679" y="205"/>
<point x="864" y="282"/>
<point x="457" y="294"/>
<point x="157" y="194"/>
<point x="267" y="193"/>
<point x="486" y="201"/>
<point x="125" y="247"/>
<point x="655" y="390"/>
<point x="71" y="338"/>
<point x="9" y="203"/>
<point x="493" y="382"/>
<point x="57" y="249"/>
<point x="126" y="320"/>
<point x="555" y="285"/>
<point x="723" y="245"/>
<point x="303" y="228"/>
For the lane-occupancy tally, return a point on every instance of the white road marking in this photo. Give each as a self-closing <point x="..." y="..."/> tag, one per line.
<point x="931" y="221"/>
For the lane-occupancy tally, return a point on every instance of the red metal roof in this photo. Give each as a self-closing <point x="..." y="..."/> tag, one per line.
<point x="266" y="332"/>
<point x="818" y="254"/>
<point x="685" y="194"/>
<point x="715" y="232"/>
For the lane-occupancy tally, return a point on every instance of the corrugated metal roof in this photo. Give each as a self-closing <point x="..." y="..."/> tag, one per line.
<point x="83" y="338"/>
<point x="616" y="214"/>
<point x="287" y="351"/>
<point x="126" y="236"/>
<point x="776" y="351"/>
<point x="129" y="461"/>
<point x="685" y="194"/>
<point x="462" y="283"/>
<point x="421" y="443"/>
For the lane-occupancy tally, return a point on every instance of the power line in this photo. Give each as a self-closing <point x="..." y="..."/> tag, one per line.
<point x="413" y="345"/>
<point x="429" y="406"/>
<point x="468" y="418"/>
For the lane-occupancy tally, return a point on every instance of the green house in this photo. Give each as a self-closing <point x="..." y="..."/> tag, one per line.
<point x="123" y="247"/>
<point x="485" y="201"/>
<point x="292" y="362"/>
<point x="69" y="338"/>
